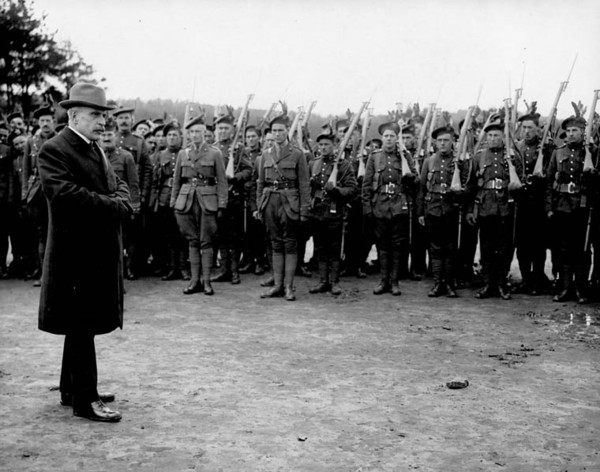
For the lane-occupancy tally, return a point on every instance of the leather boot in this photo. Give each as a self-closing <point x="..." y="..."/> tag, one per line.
<point x="384" y="264"/>
<point x="566" y="276"/>
<point x="277" y="289"/>
<point x="195" y="285"/>
<point x="224" y="275"/>
<point x="335" y="278"/>
<point x="207" y="260"/>
<point x="235" y="274"/>
<point x="438" y="288"/>
<point x="270" y="282"/>
<point x="581" y="285"/>
<point x="174" y="272"/>
<point x="291" y="261"/>
<point x="323" y="285"/>
<point x="396" y="259"/>
<point x="504" y="291"/>
<point x="449" y="277"/>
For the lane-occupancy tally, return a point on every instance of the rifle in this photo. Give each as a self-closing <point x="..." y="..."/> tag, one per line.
<point x="186" y="118"/>
<point x="267" y="116"/>
<point x="588" y="166"/>
<point x="538" y="169"/>
<point x="363" y="143"/>
<point x="422" y="134"/>
<point x="434" y="118"/>
<point x="461" y="147"/>
<point x="230" y="171"/>
<point x="518" y="95"/>
<point x="294" y="126"/>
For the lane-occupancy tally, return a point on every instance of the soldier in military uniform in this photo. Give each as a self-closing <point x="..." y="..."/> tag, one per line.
<point x="10" y="197"/>
<point x="567" y="206"/>
<point x="489" y="208"/>
<point x="532" y="224"/>
<point x="283" y="201"/>
<point x="438" y="210"/>
<point x="137" y="250"/>
<point x="385" y="193"/>
<point x="31" y="186"/>
<point x="328" y="204"/>
<point x="231" y="226"/>
<point x="199" y="197"/>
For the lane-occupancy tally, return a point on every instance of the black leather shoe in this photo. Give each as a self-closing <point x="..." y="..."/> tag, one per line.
<point x="172" y="275"/>
<point x="336" y="289"/>
<point x="396" y="292"/>
<point x="436" y="290"/>
<point x="562" y="296"/>
<point x="36" y="274"/>
<point x="208" y="290"/>
<point x="504" y="292"/>
<point x="194" y="287"/>
<point x="415" y="276"/>
<point x="383" y="287"/>
<point x="185" y="275"/>
<point x="259" y="270"/>
<point x="66" y="399"/>
<point x="486" y="292"/>
<point x="97" y="411"/>
<point x="224" y="276"/>
<point x="360" y="274"/>
<point x="303" y="271"/>
<point x="321" y="287"/>
<point x="450" y="291"/>
<point x="37" y="283"/>
<point x="130" y="275"/>
<point x="581" y="298"/>
<point x="247" y="268"/>
<point x="235" y="278"/>
<point x="290" y="296"/>
<point x="270" y="282"/>
<point x="273" y="292"/>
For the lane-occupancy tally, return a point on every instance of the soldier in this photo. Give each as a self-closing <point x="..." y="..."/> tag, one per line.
<point x="166" y="231"/>
<point x="567" y="206"/>
<point x="328" y="201"/>
<point x="231" y="226"/>
<point x="532" y="225"/>
<point x="437" y="209"/>
<point x="10" y="197"/>
<point x="142" y="128"/>
<point x="283" y="200"/>
<point x="385" y="192"/>
<point x="210" y="134"/>
<point x="199" y="197"/>
<point x="31" y="186"/>
<point x="490" y="209"/>
<point x="137" y="248"/>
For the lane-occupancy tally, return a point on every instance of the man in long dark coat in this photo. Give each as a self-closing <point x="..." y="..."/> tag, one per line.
<point x="82" y="276"/>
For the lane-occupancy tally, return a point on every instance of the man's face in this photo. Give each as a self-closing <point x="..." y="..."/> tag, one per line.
<point x="224" y="131"/>
<point x="196" y="133"/>
<point x="444" y="143"/>
<point x="389" y="139"/>
<point x="209" y="136"/>
<point x="340" y="132"/>
<point x="141" y="130"/>
<point x="174" y="139"/>
<point x="574" y="134"/>
<point x="89" y="122"/>
<point x="418" y="127"/>
<point x="124" y="121"/>
<point x="408" y="140"/>
<point x="46" y="123"/>
<point x="252" y="139"/>
<point x="529" y="130"/>
<point x="269" y="140"/>
<point x="325" y="147"/>
<point x="109" y="140"/>
<point x="160" y="139"/>
<point x="280" y="132"/>
<point x="17" y="123"/>
<point x="19" y="143"/>
<point x="3" y="135"/>
<point x="495" y="138"/>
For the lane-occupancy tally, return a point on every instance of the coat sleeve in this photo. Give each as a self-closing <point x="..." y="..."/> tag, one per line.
<point x="145" y="173"/>
<point x="550" y="176"/>
<point x="367" y="186"/>
<point x="176" y="179"/>
<point x="133" y="180"/>
<point x="222" y="187"/>
<point x="422" y="190"/>
<point x="347" y="186"/>
<point x="260" y="178"/>
<point x="303" y="187"/>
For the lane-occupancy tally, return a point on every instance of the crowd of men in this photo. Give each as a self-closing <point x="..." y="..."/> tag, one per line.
<point x="208" y="208"/>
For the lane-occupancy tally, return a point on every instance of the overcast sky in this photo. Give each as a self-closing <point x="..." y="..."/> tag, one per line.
<point x="338" y="52"/>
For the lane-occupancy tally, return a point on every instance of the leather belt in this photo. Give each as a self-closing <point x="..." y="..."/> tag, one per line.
<point x="390" y="189"/>
<point x="439" y="188"/>
<point x="203" y="182"/>
<point x="282" y="184"/>
<point x="571" y="187"/>
<point x="495" y="184"/>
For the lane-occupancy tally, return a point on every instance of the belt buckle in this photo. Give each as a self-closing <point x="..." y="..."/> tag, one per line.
<point x="276" y="184"/>
<point x="389" y="188"/>
<point x="443" y="187"/>
<point x="571" y="187"/>
<point x="528" y="179"/>
<point x="194" y="181"/>
<point x="498" y="184"/>
<point x="170" y="182"/>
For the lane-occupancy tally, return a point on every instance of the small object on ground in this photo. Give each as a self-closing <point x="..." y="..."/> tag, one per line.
<point x="302" y="438"/>
<point x="456" y="384"/>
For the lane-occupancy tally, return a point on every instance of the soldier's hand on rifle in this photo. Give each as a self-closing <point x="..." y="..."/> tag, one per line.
<point x="421" y="220"/>
<point x="471" y="219"/>
<point x="256" y="215"/>
<point x="329" y="186"/>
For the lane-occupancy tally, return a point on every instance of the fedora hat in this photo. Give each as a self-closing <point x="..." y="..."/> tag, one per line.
<point x="86" y="95"/>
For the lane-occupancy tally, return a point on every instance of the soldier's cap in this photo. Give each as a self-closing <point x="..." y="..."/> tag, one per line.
<point x="408" y="129"/>
<point x="110" y="125"/>
<point x="158" y="129"/>
<point x="198" y="120"/>
<point x="497" y="126"/>
<point x="148" y="123"/>
<point x="12" y="116"/>
<point x="535" y="117"/>
<point x="149" y="135"/>
<point x="43" y="111"/>
<point x="326" y="135"/>
<point x="391" y="125"/>
<point x="573" y="121"/>
<point x="210" y="128"/>
<point x="447" y="129"/>
<point x="375" y="140"/>
<point x="227" y="119"/>
<point x="120" y="110"/>
<point x="171" y="126"/>
<point x="83" y="94"/>
<point x="562" y="135"/>
<point x="252" y="128"/>
<point x="342" y="123"/>
<point x="280" y="120"/>
<point x="158" y="121"/>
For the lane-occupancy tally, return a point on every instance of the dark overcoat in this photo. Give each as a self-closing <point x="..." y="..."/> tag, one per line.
<point x="82" y="277"/>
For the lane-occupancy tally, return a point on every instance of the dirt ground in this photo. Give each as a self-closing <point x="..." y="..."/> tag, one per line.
<point x="354" y="383"/>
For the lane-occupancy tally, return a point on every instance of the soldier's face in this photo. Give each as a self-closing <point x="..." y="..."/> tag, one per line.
<point x="3" y="136"/>
<point x="89" y="122"/>
<point x="444" y="143"/>
<point x="46" y="123"/>
<point x="209" y="136"/>
<point x="340" y="132"/>
<point x="389" y="139"/>
<point x="495" y="138"/>
<point x="124" y="121"/>
<point x="251" y="139"/>
<point x="141" y="130"/>
<point x="408" y="140"/>
<point x="109" y="140"/>
<point x="529" y="130"/>
<point x="574" y="134"/>
<point x="326" y="147"/>
<point x="224" y="131"/>
<point x="160" y="139"/>
<point x="173" y="139"/>
<point x="17" y="123"/>
<point x="279" y="132"/>
<point x="19" y="143"/>
<point x="269" y="140"/>
<point x="418" y="127"/>
<point x="196" y="133"/>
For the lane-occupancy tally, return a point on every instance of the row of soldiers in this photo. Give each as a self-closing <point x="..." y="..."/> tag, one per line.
<point x="258" y="210"/>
